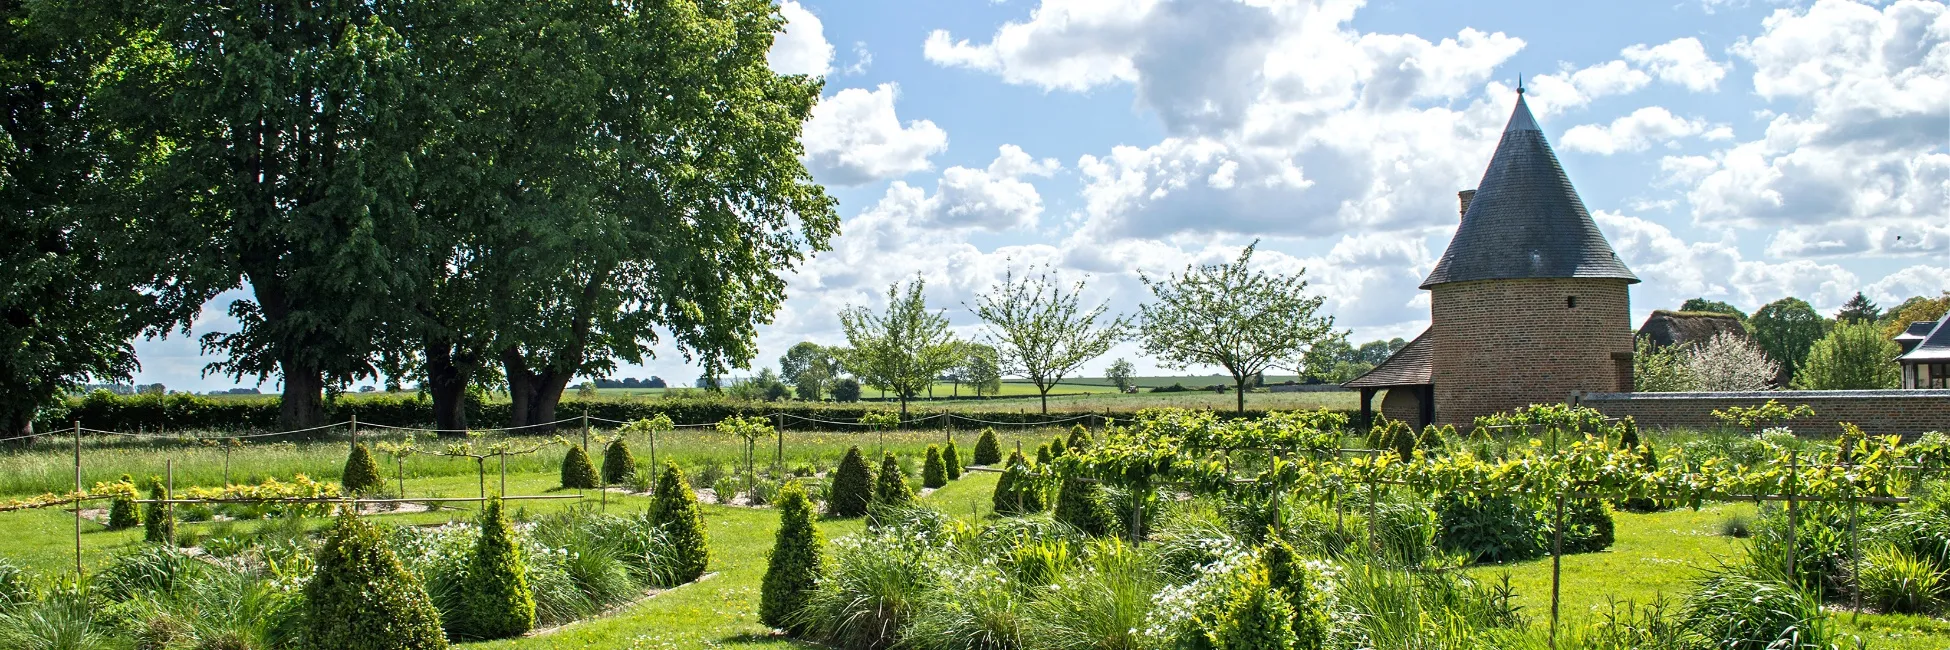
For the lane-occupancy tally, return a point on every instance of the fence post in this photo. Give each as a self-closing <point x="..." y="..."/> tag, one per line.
<point x="504" y="472"/>
<point x="1374" y="546"/>
<point x="585" y="431"/>
<point x="778" y="454"/>
<point x="1854" y="551"/>
<point x="1557" y="559"/>
<point x="354" y="447"/>
<point x="77" y="505"/>
<point x="1794" y="548"/>
<point x="169" y="493"/>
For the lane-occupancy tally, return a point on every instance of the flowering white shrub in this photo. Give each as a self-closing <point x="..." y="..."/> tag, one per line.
<point x="1730" y="362"/>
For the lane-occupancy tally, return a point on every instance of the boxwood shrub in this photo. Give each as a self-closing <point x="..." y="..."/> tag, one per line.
<point x="361" y="598"/>
<point x="577" y="472"/>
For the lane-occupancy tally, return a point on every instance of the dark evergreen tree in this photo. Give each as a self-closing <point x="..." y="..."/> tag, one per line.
<point x="577" y="472"/>
<point x="1628" y="436"/>
<point x="361" y="473"/>
<point x="951" y="457"/>
<point x="497" y="603"/>
<point x="987" y="450"/>
<point x="1859" y="309"/>
<point x="793" y="570"/>
<point x="361" y="598"/>
<point x="934" y="473"/>
<point x="853" y="486"/>
<point x="675" y="510"/>
<point x="619" y="465"/>
<point x="891" y="488"/>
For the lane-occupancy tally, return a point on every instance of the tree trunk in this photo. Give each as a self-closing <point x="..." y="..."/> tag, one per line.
<point x="302" y="404"/>
<point x="1239" y="388"/>
<point x="1043" y="391"/>
<point x="534" y="394"/>
<point x="16" y="427"/>
<point x="448" y="373"/>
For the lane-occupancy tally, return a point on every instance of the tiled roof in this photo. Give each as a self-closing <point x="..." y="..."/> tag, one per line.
<point x="1917" y="331"/>
<point x="1526" y="221"/>
<point x="1934" y="348"/>
<point x="1409" y="366"/>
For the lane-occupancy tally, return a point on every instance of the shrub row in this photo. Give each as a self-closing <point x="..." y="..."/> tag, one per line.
<point x="131" y="413"/>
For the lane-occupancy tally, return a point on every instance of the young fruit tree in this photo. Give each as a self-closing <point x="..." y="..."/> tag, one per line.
<point x="901" y="350"/>
<point x="1042" y="331"/>
<point x="1119" y="373"/>
<point x="1230" y="316"/>
<point x="1730" y="362"/>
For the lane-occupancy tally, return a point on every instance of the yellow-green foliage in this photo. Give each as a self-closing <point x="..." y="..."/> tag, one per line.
<point x="891" y="486"/>
<point x="1286" y="571"/>
<point x="987" y="450"/>
<point x="796" y="563"/>
<point x="619" y="465"/>
<point x="361" y="598"/>
<point x="853" y="486"/>
<point x="675" y="510"/>
<point x="934" y="473"/>
<point x="1079" y="438"/>
<point x="577" y="472"/>
<point x="1245" y="612"/>
<point x="498" y="603"/>
<point x="951" y="457"/>
<point x="122" y="513"/>
<point x="361" y="471"/>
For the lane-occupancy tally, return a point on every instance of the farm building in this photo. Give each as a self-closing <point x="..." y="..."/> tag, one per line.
<point x="1529" y="303"/>
<point x="1666" y="327"/>
<point x="1926" y="354"/>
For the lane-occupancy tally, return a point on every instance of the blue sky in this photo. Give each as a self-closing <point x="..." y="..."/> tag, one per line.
<point x="1742" y="151"/>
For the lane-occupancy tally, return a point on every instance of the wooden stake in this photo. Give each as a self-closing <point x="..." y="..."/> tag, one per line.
<point x="77" y="505"/>
<point x="1557" y="558"/>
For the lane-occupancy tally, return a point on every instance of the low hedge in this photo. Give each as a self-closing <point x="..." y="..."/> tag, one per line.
<point x="156" y="413"/>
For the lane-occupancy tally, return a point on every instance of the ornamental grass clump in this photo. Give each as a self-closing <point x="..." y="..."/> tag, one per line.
<point x="853" y="486"/>
<point x="619" y="465"/>
<point x="934" y="473"/>
<point x="951" y="460"/>
<point x="1894" y="580"/>
<point x="877" y="583"/>
<point x="158" y="519"/>
<point x="1751" y="607"/>
<point x="797" y="561"/>
<point x="122" y="513"/>
<point x="360" y="597"/>
<point x="577" y="472"/>
<point x="498" y="603"/>
<point x="675" y="510"/>
<point x="987" y="450"/>
<point x="361" y="473"/>
<point x="891" y="487"/>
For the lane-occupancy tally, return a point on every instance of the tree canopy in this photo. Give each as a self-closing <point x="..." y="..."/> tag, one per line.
<point x="1042" y="331"/>
<point x="1231" y="316"/>
<point x="1854" y="356"/>
<point x="902" y="349"/>
<point x="1712" y="306"/>
<point x="1785" y="330"/>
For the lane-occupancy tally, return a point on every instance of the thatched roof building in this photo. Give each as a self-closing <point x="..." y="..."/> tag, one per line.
<point x="1666" y="327"/>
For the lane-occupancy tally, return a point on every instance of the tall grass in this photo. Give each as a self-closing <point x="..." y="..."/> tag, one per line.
<point x="49" y="466"/>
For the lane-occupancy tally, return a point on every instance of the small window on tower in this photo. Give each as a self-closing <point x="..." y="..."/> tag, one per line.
<point x="1570" y="302"/>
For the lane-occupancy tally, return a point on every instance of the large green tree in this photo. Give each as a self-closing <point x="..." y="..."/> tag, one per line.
<point x="1233" y="317"/>
<point x="809" y="367"/>
<point x="644" y="183"/>
<point x="1042" y="331"/>
<point x="1859" y="309"/>
<point x="75" y="283"/>
<point x="1785" y="330"/>
<point x="1854" y="356"/>
<point x="289" y="170"/>
<point x="902" y="349"/>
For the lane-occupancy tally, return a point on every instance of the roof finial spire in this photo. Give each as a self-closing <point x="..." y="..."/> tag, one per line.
<point x="1519" y="83"/>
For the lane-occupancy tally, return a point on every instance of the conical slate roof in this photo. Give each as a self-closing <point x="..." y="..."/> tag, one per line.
<point x="1526" y="220"/>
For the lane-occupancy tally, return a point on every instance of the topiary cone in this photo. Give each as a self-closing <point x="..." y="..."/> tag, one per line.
<point x="619" y="465"/>
<point x="951" y="460"/>
<point x="987" y="450"/>
<point x="1017" y="493"/>
<point x="1081" y="504"/>
<point x="853" y="486"/>
<point x="796" y="563"/>
<point x="122" y="513"/>
<point x="497" y="602"/>
<point x="159" y="520"/>
<point x="1042" y="455"/>
<point x="891" y="488"/>
<point x="675" y="510"/>
<point x="934" y="473"/>
<point x="577" y="472"/>
<point x="361" y="473"/>
<point x="1079" y="438"/>
<point x="361" y="598"/>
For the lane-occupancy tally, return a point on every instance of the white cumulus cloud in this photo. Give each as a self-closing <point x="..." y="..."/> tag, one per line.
<point x="1635" y="132"/>
<point x="854" y="137"/>
<point x="1682" y="62"/>
<point x="802" y="48"/>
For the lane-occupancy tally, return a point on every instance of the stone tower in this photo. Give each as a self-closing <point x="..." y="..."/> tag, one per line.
<point x="1529" y="303"/>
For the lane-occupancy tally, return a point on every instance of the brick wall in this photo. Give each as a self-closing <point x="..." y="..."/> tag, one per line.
<point x="1504" y="344"/>
<point x="1404" y="405"/>
<point x="1878" y="412"/>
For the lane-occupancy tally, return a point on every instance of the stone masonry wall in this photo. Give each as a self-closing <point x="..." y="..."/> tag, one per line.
<point x="1879" y="412"/>
<point x="1504" y="344"/>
